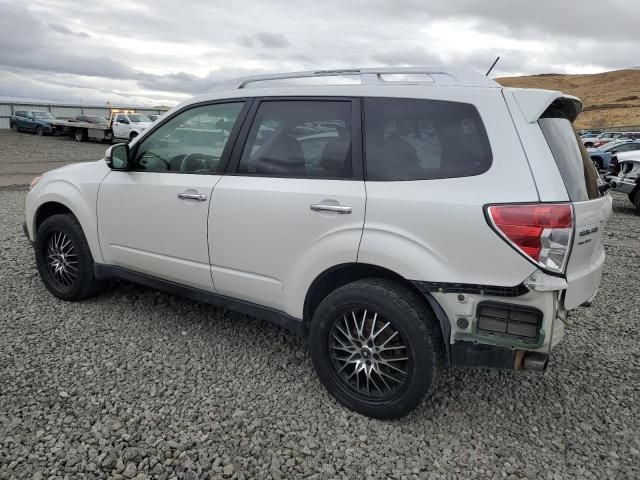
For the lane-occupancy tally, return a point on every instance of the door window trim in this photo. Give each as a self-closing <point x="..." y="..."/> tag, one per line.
<point x="357" y="164"/>
<point x="231" y="140"/>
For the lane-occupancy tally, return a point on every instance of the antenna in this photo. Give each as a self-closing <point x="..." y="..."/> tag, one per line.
<point x="491" y="68"/>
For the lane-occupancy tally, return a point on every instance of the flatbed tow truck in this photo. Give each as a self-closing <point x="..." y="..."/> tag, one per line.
<point x="123" y="124"/>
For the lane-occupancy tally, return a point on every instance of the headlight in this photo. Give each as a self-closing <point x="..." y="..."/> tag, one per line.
<point x="34" y="182"/>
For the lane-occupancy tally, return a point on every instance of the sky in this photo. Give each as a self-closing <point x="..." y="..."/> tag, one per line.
<point x="152" y="52"/>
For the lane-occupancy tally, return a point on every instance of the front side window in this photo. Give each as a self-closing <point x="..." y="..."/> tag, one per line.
<point x="191" y="142"/>
<point x="411" y="139"/>
<point x="120" y="118"/>
<point x="299" y="138"/>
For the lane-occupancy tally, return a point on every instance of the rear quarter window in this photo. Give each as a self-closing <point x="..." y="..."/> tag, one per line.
<point x="412" y="139"/>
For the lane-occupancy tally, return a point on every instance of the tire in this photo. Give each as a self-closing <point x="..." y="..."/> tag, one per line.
<point x="588" y="145"/>
<point x="40" y="131"/>
<point x="51" y="246"/>
<point x="372" y="303"/>
<point x="14" y="127"/>
<point x="636" y="200"/>
<point x="132" y="135"/>
<point x="79" y="135"/>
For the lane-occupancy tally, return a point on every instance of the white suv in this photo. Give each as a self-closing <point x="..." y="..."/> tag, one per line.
<point x="417" y="220"/>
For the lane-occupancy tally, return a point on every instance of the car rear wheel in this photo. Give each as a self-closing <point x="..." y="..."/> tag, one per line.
<point x="376" y="347"/>
<point x="80" y="135"/>
<point x="14" y="127"/>
<point x="636" y="199"/>
<point x="133" y="135"/>
<point x="39" y="131"/>
<point x="63" y="258"/>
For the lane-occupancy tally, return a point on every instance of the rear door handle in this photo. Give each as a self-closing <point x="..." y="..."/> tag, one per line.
<point x="320" y="207"/>
<point x="192" y="196"/>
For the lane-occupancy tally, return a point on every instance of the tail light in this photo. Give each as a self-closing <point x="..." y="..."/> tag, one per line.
<point x="541" y="232"/>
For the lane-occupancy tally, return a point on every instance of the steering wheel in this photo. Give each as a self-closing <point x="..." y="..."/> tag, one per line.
<point x="143" y="162"/>
<point x="195" y="161"/>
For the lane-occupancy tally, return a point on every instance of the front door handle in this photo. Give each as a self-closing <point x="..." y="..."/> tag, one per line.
<point x="192" y="196"/>
<point x="320" y="207"/>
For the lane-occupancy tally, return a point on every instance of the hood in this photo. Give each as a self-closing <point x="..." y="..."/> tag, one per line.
<point x="627" y="156"/>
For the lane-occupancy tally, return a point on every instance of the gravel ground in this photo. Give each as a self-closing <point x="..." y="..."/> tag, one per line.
<point x="140" y="384"/>
<point x="25" y="155"/>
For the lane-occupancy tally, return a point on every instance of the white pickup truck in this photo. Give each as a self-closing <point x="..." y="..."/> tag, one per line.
<point x="129" y="125"/>
<point x="122" y="124"/>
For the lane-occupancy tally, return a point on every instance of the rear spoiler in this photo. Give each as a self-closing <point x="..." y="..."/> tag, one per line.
<point x="535" y="103"/>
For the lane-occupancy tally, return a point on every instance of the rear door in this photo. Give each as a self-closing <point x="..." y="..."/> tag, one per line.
<point x="292" y="202"/>
<point x="591" y="208"/>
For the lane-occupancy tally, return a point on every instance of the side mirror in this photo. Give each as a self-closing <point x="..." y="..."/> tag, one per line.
<point x="117" y="156"/>
<point x="614" y="152"/>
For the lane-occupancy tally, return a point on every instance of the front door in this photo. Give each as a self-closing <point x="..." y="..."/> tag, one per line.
<point x="121" y="126"/>
<point x="153" y="219"/>
<point x="292" y="204"/>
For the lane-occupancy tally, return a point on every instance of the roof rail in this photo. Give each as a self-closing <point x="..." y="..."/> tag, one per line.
<point x="368" y="76"/>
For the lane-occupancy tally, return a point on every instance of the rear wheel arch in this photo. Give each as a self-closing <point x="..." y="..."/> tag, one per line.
<point x="340" y="275"/>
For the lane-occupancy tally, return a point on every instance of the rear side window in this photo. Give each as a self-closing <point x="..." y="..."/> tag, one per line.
<point x="574" y="163"/>
<point x="299" y="138"/>
<point x="410" y="139"/>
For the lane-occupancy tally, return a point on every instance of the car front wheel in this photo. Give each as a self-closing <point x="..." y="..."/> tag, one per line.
<point x="63" y="258"/>
<point x="376" y="347"/>
<point x="40" y="131"/>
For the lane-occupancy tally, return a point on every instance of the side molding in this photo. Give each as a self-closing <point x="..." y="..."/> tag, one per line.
<point x="277" y="317"/>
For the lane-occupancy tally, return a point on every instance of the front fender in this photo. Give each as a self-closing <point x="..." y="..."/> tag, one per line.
<point x="77" y="191"/>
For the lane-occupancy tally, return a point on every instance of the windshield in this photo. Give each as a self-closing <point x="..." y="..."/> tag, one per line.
<point x="45" y="115"/>
<point x="136" y="118"/>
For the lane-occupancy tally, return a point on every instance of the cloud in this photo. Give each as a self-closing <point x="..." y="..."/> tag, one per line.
<point x="265" y="40"/>
<point x="66" y="31"/>
<point x="162" y="49"/>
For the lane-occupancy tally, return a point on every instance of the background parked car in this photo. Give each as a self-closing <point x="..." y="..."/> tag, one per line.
<point x="590" y="133"/>
<point x="627" y="178"/>
<point x="36" y="121"/>
<point x="601" y="139"/>
<point x="602" y="156"/>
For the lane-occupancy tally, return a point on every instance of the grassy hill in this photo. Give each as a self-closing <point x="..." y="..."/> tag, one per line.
<point x="610" y="99"/>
